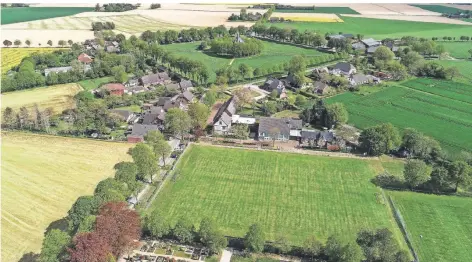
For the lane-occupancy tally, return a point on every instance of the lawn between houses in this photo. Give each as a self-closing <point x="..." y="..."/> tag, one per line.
<point x="382" y="28"/>
<point x="291" y="195"/>
<point x="42" y="176"/>
<point x="440" y="227"/>
<point x="423" y="104"/>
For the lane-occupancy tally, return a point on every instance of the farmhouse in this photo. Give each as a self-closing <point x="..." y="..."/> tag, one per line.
<point x="84" y="58"/>
<point x="272" y="84"/>
<point x="185" y="85"/>
<point x="125" y="115"/>
<point x="154" y="116"/>
<point x="280" y="129"/>
<point x="139" y="131"/>
<point x="56" y="70"/>
<point x="316" y="138"/>
<point x="343" y="68"/>
<point x="155" y="79"/>
<point x="135" y="89"/>
<point x="358" y="79"/>
<point x="370" y="42"/>
<point x="321" y="88"/>
<point x="116" y="89"/>
<point x="224" y="117"/>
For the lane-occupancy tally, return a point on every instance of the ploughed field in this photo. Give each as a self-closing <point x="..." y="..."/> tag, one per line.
<point x="440" y="109"/>
<point x="290" y="195"/>
<point x="382" y="28"/>
<point x="23" y="14"/>
<point x="444" y="222"/>
<point x="42" y="176"/>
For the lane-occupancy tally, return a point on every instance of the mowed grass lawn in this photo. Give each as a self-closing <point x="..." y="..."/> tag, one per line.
<point x="42" y="176"/>
<point x="445" y="222"/>
<point x="59" y="97"/>
<point x="465" y="69"/>
<point x="290" y="195"/>
<point x="434" y="112"/>
<point x="458" y="49"/>
<point x="272" y="54"/>
<point x="23" y="14"/>
<point x="382" y="28"/>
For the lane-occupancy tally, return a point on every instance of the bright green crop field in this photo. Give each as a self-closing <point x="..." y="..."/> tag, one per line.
<point x="444" y="222"/>
<point x="273" y="54"/>
<point x="439" y="8"/>
<point x="435" y="109"/>
<point x="321" y="10"/>
<point x="23" y="14"/>
<point x="382" y="28"/>
<point x="292" y="195"/>
<point x="458" y="49"/>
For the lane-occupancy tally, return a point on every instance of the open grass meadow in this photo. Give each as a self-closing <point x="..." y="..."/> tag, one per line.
<point x="465" y="69"/>
<point x="12" y="57"/>
<point x="321" y="10"/>
<point x="440" y="227"/>
<point x="288" y="194"/>
<point x="24" y="14"/>
<point x="439" y="9"/>
<point x="273" y="54"/>
<point x="42" y="176"/>
<point x="382" y="28"/>
<point x="436" y="109"/>
<point x="59" y="97"/>
<point x="95" y="83"/>
<point x="458" y="49"/>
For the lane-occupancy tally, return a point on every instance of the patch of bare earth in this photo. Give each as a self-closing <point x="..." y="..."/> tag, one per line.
<point x="427" y="19"/>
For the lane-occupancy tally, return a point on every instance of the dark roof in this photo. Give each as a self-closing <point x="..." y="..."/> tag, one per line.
<point x="226" y="111"/>
<point x="163" y="76"/>
<point x="125" y="114"/>
<point x="283" y="125"/>
<point x="187" y="95"/>
<point x="273" y="83"/>
<point x="358" y="46"/>
<point x="343" y="66"/>
<point x="162" y="101"/>
<point x="370" y="42"/>
<point x="184" y="84"/>
<point x="150" y="79"/>
<point x="316" y="134"/>
<point x="372" y="49"/>
<point x="150" y="118"/>
<point x="139" y="130"/>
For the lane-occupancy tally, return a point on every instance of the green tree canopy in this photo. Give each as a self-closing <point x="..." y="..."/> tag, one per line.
<point x="178" y="122"/>
<point x="157" y="224"/>
<point x="145" y="160"/>
<point x="335" y="115"/>
<point x="379" y="139"/>
<point x="211" y="236"/>
<point x="183" y="230"/>
<point x="54" y="246"/>
<point x="416" y="172"/>
<point x="199" y="114"/>
<point x="254" y="239"/>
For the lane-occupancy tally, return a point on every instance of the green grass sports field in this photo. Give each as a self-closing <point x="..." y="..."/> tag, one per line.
<point x="439" y="8"/>
<point x="434" y="108"/>
<point x="444" y="222"/>
<point x="321" y="10"/>
<point x="289" y="194"/>
<point x="24" y="14"/>
<point x="273" y="54"/>
<point x="381" y="28"/>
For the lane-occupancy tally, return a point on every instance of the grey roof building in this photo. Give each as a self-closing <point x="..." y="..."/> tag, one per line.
<point x="344" y="68"/>
<point x="223" y="118"/>
<point x="370" y="42"/>
<point x="125" y="115"/>
<point x="274" y="84"/>
<point x="139" y="131"/>
<point x="62" y="69"/>
<point x="358" y="79"/>
<point x="280" y="128"/>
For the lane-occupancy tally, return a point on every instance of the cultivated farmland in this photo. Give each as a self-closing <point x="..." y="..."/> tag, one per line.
<point x="289" y="194"/>
<point x="434" y="112"/>
<point x="42" y="176"/>
<point x="321" y="10"/>
<point x="440" y="227"/>
<point x="16" y="15"/>
<point x="440" y="8"/>
<point x="12" y="56"/>
<point x="59" y="97"/>
<point x="382" y="28"/>
<point x="465" y="69"/>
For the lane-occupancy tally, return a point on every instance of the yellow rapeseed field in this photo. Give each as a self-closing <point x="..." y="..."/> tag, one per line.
<point x="42" y="176"/>
<point x="12" y="56"/>
<point x="309" y="17"/>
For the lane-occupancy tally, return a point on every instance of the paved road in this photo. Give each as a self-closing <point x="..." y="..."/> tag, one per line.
<point x="226" y="256"/>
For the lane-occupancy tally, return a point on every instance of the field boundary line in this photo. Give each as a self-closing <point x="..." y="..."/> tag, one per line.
<point x="433" y="94"/>
<point x="402" y="225"/>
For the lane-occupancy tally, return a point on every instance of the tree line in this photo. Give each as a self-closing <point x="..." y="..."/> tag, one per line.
<point x="245" y="16"/>
<point x="116" y="7"/>
<point x="428" y="167"/>
<point x="309" y="38"/>
<point x="99" y="26"/>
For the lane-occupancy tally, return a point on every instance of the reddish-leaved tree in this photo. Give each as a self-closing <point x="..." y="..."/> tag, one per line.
<point x="89" y="247"/>
<point x="119" y="226"/>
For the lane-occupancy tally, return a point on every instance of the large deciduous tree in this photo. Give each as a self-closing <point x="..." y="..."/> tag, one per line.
<point x="83" y="207"/>
<point x="416" y="172"/>
<point x="145" y="160"/>
<point x="89" y="247"/>
<point x="126" y="172"/>
<point x="379" y="139"/>
<point x="335" y="115"/>
<point x="460" y="173"/>
<point x="157" y="224"/>
<point x="54" y="246"/>
<point x="254" y="239"/>
<point x="178" y="122"/>
<point x="198" y="113"/>
<point x="119" y="226"/>
<point x="211" y="236"/>
<point x="382" y="56"/>
<point x="183" y="230"/>
<point x="159" y="144"/>
<point x="378" y="245"/>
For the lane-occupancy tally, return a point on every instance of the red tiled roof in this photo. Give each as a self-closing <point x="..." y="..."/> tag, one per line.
<point x="84" y="58"/>
<point x="114" y="86"/>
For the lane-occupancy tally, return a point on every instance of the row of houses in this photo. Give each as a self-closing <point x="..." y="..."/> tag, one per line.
<point x="269" y="128"/>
